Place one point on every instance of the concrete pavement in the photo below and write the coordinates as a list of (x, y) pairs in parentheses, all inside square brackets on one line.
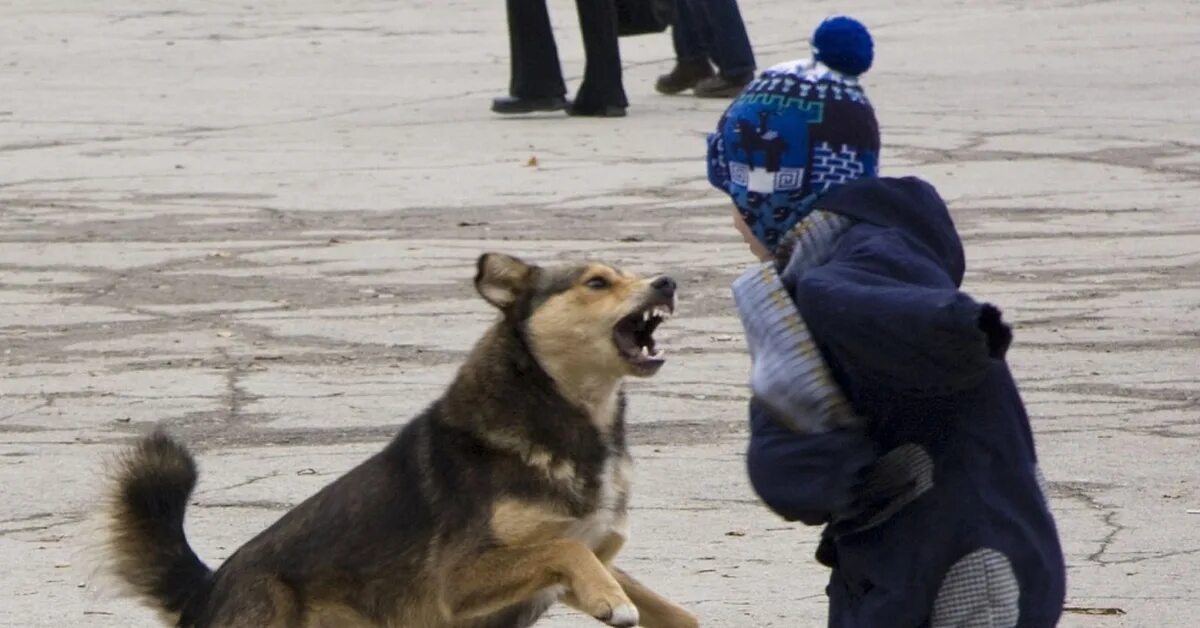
[(257, 224)]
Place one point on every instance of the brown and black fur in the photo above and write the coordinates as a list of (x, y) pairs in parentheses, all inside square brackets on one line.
[(505, 495)]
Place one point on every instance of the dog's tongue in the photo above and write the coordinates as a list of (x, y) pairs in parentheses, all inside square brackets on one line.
[(626, 340)]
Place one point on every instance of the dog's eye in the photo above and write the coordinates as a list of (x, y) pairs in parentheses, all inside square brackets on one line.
[(597, 283)]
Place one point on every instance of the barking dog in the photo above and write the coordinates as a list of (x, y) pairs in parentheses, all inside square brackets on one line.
[(505, 495)]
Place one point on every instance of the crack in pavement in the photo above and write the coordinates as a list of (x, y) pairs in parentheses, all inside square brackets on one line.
[(247, 482), (1081, 491), (65, 519), (250, 504), (48, 400)]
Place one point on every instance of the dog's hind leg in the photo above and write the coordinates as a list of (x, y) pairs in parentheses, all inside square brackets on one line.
[(259, 603), (484, 584), (335, 616)]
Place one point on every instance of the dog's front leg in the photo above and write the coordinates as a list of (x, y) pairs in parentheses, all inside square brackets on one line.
[(608, 548), (656, 611), (499, 578)]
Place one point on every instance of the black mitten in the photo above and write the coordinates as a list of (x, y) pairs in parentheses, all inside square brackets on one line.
[(999, 334), (827, 551)]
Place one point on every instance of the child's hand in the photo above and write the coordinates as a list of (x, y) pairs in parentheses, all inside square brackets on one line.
[(884, 487)]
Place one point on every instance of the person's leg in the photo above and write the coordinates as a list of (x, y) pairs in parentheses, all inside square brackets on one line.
[(536, 82), (687, 34), (601, 92), (729, 44), (730, 48), (691, 53)]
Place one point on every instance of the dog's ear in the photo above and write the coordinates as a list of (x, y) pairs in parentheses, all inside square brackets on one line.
[(502, 279)]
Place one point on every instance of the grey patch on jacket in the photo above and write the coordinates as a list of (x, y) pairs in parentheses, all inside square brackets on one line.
[(979, 591)]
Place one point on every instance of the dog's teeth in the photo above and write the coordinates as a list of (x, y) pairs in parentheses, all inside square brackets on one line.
[(646, 351), (645, 315)]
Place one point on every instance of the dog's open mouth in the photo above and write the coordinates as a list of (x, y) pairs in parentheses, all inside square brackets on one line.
[(634, 336)]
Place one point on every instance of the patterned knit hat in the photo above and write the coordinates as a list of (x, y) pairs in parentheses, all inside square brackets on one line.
[(796, 131)]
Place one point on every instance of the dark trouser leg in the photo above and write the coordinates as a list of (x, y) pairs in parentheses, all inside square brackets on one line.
[(691, 52), (729, 44), (687, 36), (535, 69), (602, 76)]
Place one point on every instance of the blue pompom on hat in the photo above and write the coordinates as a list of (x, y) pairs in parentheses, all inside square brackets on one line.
[(797, 130), (843, 44)]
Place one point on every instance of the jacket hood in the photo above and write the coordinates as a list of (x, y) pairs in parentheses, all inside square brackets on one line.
[(908, 204)]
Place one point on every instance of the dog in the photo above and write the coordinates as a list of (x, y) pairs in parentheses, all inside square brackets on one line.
[(505, 495)]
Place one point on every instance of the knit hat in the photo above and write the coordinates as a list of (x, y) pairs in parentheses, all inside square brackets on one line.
[(797, 130)]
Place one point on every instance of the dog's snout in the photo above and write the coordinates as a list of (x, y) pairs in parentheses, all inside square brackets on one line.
[(665, 286)]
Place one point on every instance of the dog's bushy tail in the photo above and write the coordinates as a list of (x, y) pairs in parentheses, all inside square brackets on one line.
[(148, 550)]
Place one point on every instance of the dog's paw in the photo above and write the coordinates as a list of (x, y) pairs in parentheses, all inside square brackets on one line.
[(624, 615)]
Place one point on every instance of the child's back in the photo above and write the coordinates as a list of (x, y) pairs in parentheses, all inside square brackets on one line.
[(959, 523)]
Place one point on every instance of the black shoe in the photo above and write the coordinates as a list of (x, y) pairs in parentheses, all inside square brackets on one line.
[(722, 87), (685, 75), (603, 111), (512, 104)]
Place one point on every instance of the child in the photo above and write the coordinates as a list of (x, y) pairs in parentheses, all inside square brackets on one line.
[(882, 406)]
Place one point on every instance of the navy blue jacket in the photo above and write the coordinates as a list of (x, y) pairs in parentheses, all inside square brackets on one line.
[(947, 467)]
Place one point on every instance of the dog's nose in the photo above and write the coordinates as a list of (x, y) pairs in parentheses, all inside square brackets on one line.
[(665, 286)]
